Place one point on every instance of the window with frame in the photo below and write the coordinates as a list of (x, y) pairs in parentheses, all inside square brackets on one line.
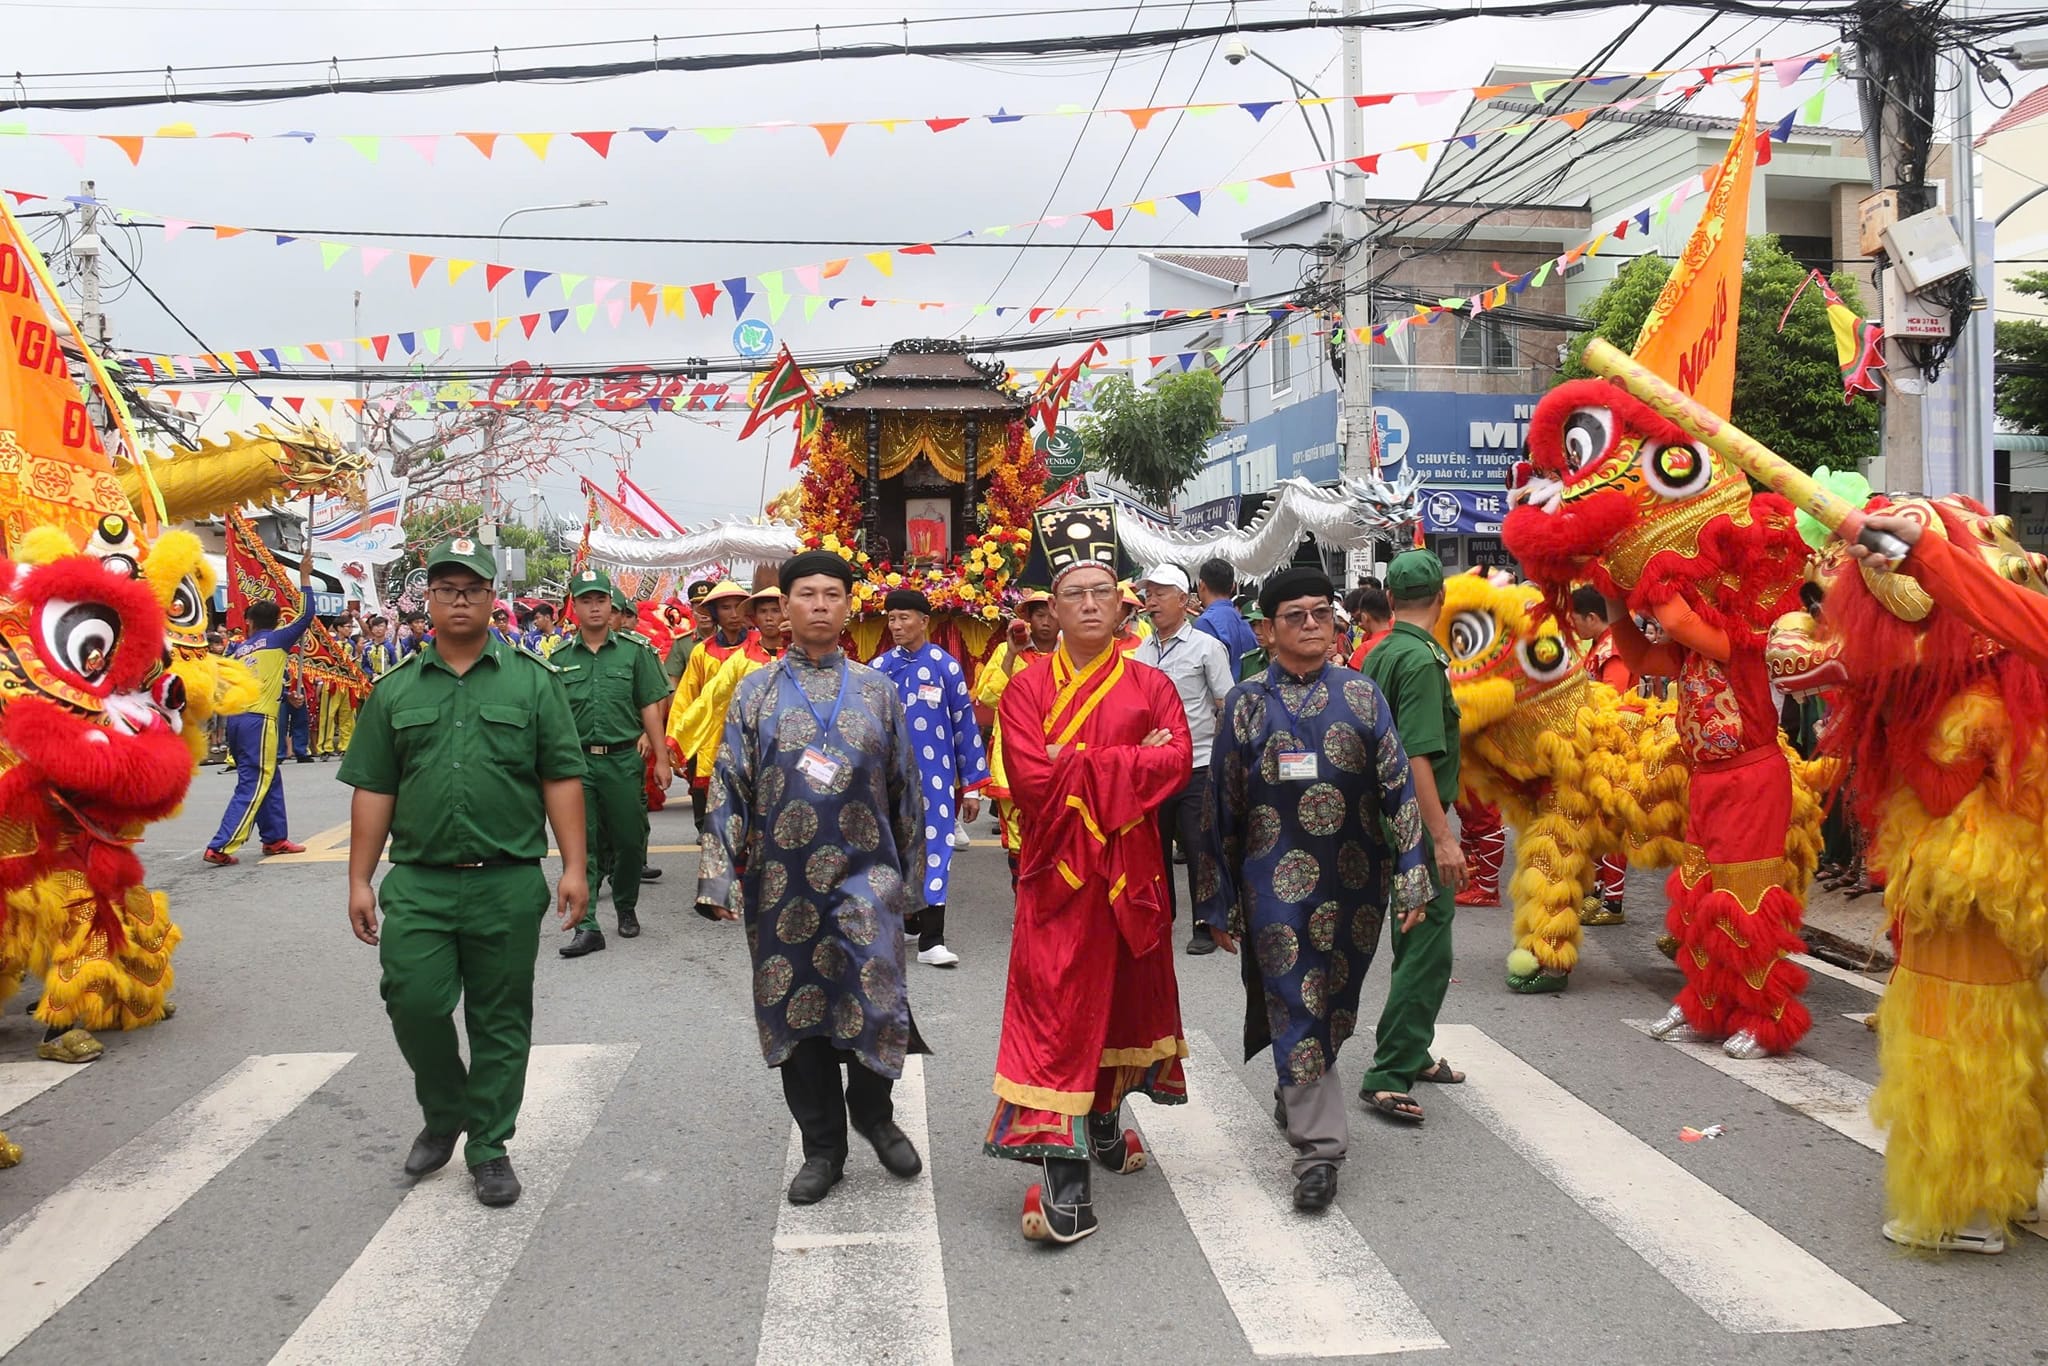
[(1485, 342), (1281, 362)]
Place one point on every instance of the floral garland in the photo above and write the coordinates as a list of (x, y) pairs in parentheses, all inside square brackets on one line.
[(975, 583)]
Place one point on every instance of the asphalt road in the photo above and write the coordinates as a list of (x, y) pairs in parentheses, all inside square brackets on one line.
[(181, 1203)]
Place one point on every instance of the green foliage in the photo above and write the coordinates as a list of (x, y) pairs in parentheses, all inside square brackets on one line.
[(1154, 438), (547, 560), (2022, 400), (1788, 385)]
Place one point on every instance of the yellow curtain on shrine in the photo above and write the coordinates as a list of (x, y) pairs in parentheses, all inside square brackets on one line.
[(941, 440)]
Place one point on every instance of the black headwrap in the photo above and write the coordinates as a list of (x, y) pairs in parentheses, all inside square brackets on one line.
[(907, 600), (1290, 584), (815, 562)]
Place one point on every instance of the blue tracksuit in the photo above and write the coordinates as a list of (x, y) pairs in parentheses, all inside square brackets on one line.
[(253, 739)]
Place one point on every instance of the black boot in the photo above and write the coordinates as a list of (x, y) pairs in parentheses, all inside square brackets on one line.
[(1118, 1149), (1061, 1210)]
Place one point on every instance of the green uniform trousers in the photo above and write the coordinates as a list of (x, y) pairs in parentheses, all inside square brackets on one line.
[(615, 827), (1422, 974), (472, 934)]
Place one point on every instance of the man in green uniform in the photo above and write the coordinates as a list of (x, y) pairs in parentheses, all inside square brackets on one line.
[(619, 699), (1412, 672), (626, 625), (457, 752), (678, 657)]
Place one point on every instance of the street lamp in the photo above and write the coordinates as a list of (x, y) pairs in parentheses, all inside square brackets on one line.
[(1236, 50), (490, 475)]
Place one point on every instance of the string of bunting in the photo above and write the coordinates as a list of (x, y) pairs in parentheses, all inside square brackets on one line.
[(776, 289), (600, 141), (714, 396)]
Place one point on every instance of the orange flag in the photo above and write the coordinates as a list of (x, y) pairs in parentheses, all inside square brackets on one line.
[(1689, 337), (53, 468)]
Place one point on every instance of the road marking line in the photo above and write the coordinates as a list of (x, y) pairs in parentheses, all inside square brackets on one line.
[(1299, 1286), (22, 1082), (1862, 1017), (861, 1273), (1821, 1093), (1840, 974), (422, 1285), (57, 1249), (1749, 1277)]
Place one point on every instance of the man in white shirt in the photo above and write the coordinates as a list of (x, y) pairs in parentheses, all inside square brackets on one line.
[(1199, 665)]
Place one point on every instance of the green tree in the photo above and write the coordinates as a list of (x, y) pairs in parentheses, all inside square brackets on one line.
[(1788, 385), (2022, 399), (1154, 438), (547, 556)]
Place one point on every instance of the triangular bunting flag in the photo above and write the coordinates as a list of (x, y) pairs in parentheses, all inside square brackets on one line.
[(598, 142), (736, 289), (494, 275), (416, 266), (537, 143), (483, 142), (831, 133)]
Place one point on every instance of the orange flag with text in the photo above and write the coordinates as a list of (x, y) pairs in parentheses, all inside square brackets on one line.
[(1689, 337)]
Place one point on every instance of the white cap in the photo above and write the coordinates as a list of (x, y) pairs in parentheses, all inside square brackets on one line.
[(1167, 576)]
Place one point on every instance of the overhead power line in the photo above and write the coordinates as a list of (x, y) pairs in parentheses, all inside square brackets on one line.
[(1103, 44)]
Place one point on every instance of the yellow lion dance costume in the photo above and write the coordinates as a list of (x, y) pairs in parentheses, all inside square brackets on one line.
[(1948, 737), (1578, 770)]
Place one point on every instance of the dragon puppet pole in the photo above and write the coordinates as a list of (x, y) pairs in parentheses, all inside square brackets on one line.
[(1742, 450)]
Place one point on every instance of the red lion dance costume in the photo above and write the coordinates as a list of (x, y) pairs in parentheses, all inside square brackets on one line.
[(1616, 495), (1948, 736)]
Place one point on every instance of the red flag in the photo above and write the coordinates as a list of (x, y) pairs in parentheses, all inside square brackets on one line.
[(781, 389), (1057, 382)]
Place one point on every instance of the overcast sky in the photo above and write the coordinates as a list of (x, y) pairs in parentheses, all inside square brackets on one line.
[(908, 186)]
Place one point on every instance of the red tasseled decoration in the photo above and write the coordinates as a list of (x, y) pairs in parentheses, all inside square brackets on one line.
[(1765, 560)]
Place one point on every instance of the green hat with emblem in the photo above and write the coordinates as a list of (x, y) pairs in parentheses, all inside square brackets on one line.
[(1414, 576), (620, 600), (590, 579), (467, 552)]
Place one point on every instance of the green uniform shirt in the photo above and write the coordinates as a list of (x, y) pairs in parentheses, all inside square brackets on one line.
[(678, 659), (1413, 673), (465, 756), (608, 686)]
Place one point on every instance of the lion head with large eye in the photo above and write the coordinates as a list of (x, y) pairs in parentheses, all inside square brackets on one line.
[(1506, 653), (89, 714)]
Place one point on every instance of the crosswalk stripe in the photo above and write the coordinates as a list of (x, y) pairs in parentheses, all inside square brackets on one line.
[(57, 1249), (1840, 974), (22, 1082), (860, 1273), (1299, 1286), (1819, 1092), (1738, 1269), (423, 1284)]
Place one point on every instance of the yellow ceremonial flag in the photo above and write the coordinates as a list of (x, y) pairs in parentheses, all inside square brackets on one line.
[(1689, 337)]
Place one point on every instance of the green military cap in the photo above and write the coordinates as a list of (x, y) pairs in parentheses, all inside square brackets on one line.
[(1252, 613), (590, 579), (1414, 575), (466, 552), (620, 600)]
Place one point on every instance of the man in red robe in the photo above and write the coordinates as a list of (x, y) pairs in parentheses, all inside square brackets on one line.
[(1093, 743)]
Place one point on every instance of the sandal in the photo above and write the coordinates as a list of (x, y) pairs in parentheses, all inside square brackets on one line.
[(1441, 1073), (1396, 1105)]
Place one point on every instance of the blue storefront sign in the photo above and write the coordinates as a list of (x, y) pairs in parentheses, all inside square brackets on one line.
[(1463, 512), (1459, 442)]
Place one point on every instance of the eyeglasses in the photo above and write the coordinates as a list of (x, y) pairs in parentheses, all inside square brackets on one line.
[(448, 594), (1106, 592), (1294, 621)]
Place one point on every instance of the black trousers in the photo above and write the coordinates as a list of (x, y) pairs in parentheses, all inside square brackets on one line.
[(1180, 817), (819, 1105), (931, 927)]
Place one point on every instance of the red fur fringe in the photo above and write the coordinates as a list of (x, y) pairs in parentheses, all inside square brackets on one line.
[(1765, 559)]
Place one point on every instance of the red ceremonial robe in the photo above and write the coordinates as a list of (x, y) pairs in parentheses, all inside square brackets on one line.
[(1093, 1011)]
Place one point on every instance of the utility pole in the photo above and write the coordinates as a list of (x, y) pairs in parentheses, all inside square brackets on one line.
[(92, 322), (1359, 425), (1889, 127)]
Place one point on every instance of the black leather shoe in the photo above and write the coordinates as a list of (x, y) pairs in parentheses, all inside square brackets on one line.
[(650, 874), (894, 1148), (1201, 941), (495, 1183), (430, 1152), (585, 941), (629, 925), (1315, 1188), (814, 1180)]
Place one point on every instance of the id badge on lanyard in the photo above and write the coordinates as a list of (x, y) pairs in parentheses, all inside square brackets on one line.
[(817, 766), (1294, 765)]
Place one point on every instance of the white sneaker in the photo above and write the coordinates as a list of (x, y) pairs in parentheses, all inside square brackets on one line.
[(1981, 1238), (939, 956), (960, 838)]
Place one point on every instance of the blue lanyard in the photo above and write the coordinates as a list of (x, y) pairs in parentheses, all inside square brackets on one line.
[(1273, 696), (828, 721)]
